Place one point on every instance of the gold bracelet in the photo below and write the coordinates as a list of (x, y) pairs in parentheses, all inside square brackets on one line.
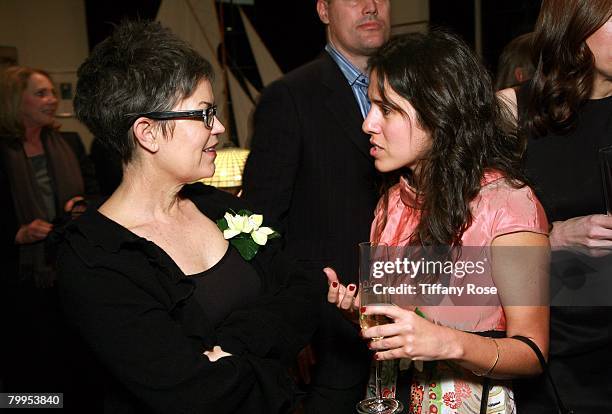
[(490, 371)]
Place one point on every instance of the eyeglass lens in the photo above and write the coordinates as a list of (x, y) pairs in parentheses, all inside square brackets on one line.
[(209, 116)]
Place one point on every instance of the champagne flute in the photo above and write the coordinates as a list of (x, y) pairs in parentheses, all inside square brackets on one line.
[(605, 164), (372, 257)]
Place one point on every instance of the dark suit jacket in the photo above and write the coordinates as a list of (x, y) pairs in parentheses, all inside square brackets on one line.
[(108, 166), (310, 172)]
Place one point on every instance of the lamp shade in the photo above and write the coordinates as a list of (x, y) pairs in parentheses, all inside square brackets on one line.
[(229, 166)]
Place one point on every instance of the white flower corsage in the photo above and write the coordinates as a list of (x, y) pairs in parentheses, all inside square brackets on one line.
[(245, 232)]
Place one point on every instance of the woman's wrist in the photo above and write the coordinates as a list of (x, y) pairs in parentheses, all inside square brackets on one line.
[(482, 360), (455, 350), (492, 367)]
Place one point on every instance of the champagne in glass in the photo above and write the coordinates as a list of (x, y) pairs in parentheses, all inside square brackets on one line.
[(371, 293), (369, 298), (369, 321)]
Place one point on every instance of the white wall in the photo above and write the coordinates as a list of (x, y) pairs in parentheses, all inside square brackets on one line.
[(409, 16), (50, 35)]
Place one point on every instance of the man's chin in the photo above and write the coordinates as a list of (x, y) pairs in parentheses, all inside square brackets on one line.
[(370, 50), (372, 44)]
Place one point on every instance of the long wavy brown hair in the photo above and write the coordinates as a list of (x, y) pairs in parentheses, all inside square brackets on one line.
[(453, 96), (564, 75)]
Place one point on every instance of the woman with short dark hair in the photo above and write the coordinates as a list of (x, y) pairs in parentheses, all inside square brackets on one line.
[(184, 317)]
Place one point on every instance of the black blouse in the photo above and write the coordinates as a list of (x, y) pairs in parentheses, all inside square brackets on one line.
[(227, 286), (136, 311), (564, 169), (564, 172)]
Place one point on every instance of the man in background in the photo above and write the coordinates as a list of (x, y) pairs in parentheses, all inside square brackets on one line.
[(310, 174)]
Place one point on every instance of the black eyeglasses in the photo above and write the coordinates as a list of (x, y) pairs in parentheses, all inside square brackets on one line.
[(206, 115)]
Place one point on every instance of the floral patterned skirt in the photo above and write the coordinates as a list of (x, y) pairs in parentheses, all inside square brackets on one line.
[(440, 387)]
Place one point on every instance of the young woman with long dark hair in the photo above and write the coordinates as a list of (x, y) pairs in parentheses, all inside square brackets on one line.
[(435, 118)]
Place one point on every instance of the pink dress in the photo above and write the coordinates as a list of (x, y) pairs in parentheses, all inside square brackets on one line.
[(498, 209)]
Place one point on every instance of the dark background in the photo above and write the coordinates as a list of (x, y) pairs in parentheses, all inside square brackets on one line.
[(294, 35), (292, 32)]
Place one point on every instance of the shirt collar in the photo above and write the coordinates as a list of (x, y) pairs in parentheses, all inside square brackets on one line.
[(351, 73), (411, 198), (408, 194), (114, 235)]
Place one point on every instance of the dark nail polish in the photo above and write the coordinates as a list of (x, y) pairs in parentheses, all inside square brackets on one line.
[(334, 284), (351, 287)]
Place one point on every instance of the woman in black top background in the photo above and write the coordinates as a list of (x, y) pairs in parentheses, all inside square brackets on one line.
[(565, 113), (179, 321)]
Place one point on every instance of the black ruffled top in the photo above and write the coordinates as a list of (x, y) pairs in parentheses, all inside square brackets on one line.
[(139, 315)]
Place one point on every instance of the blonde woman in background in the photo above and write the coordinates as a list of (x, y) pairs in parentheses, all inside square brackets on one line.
[(44, 173)]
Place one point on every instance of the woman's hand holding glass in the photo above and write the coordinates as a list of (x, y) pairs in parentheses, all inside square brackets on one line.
[(408, 336)]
